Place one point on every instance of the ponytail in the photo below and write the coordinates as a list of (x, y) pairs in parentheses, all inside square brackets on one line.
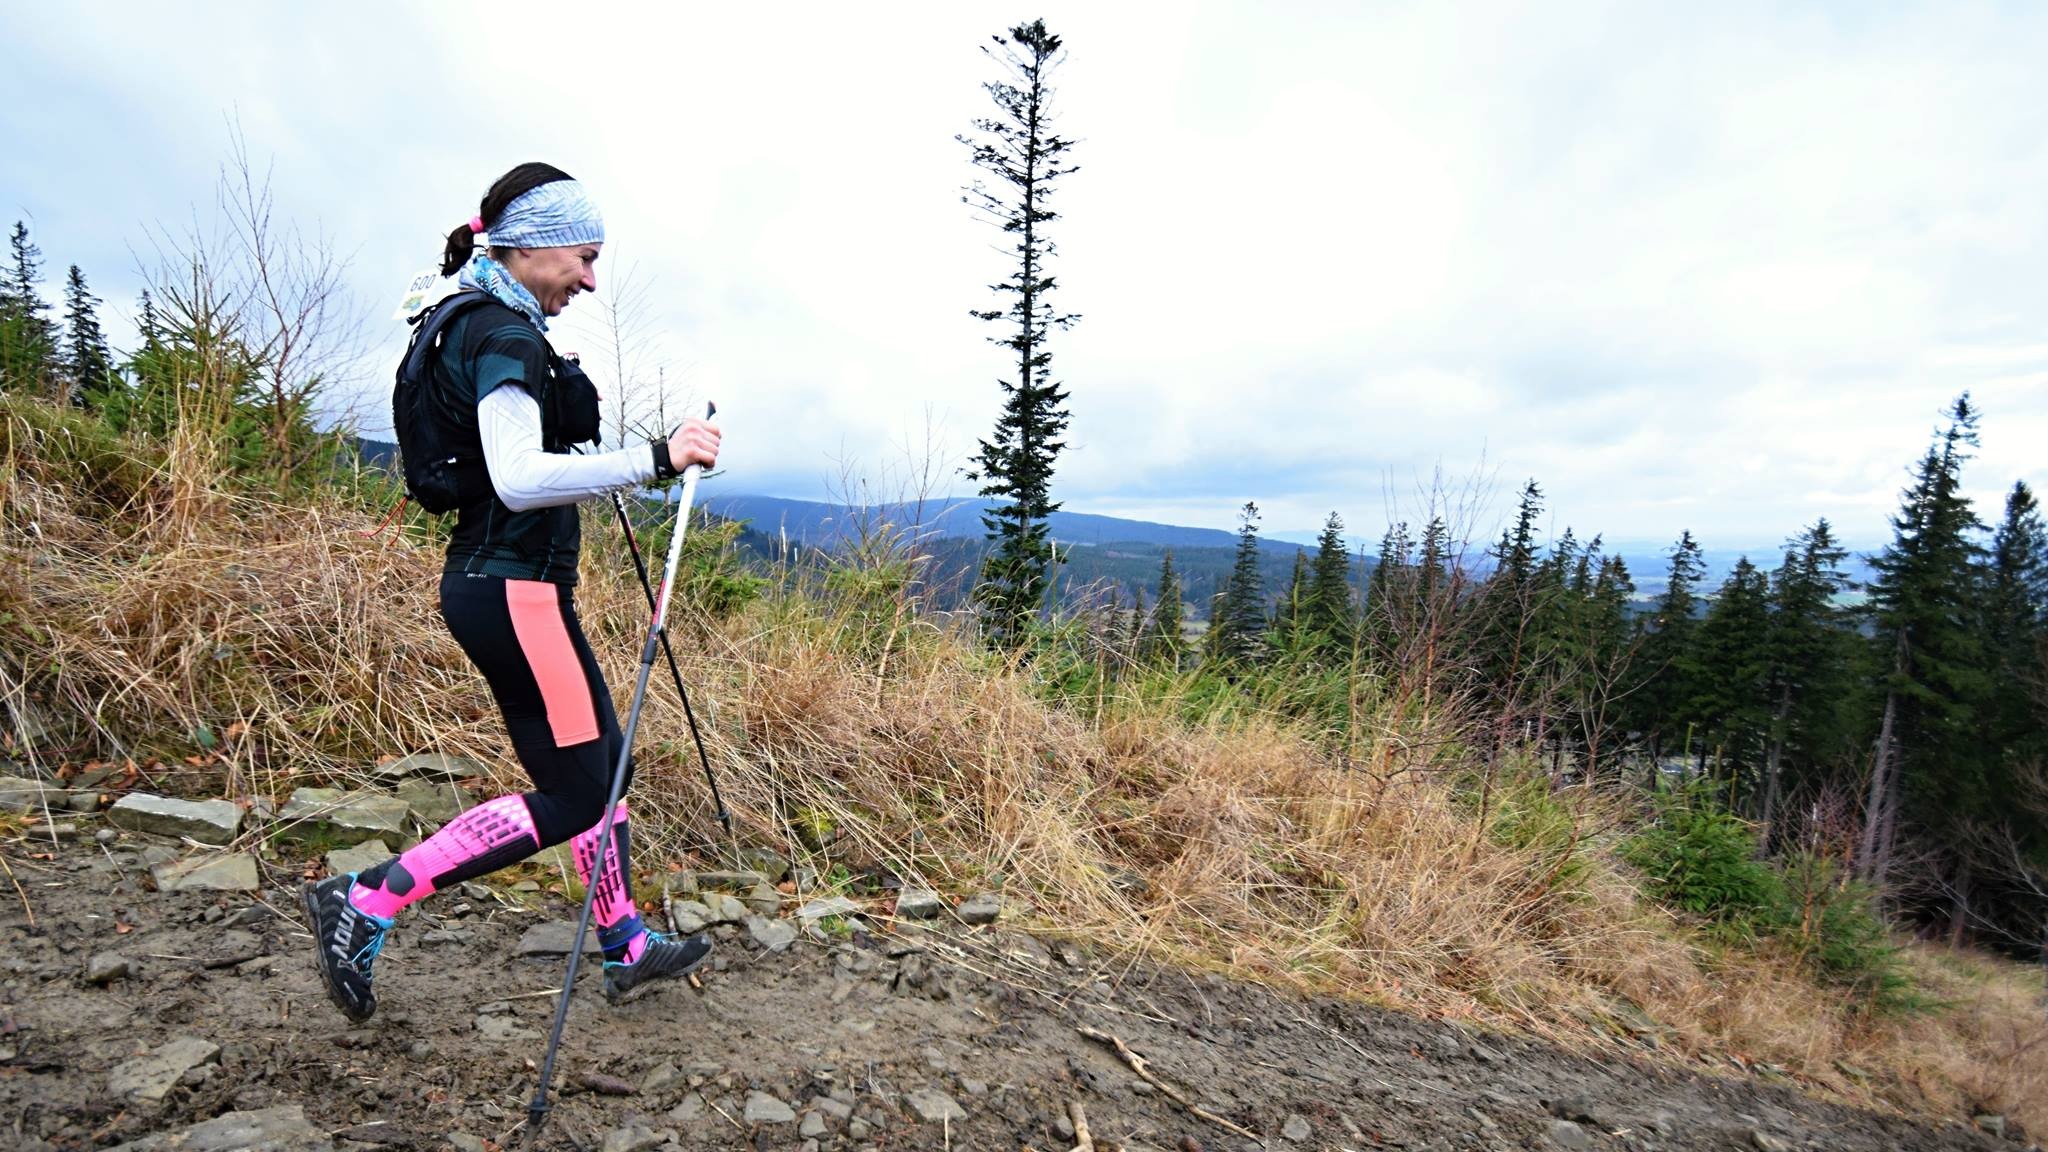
[(509, 187)]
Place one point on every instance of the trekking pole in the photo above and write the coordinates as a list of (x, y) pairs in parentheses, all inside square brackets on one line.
[(640, 566), (537, 1109)]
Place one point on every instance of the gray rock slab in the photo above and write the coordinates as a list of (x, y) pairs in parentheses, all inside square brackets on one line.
[(935, 1106), (107, 967), (435, 803), (282, 1129), (662, 1076), (231, 872), (918, 904), (771, 935), (768, 862), (764, 899), (830, 906), (688, 916), (1296, 1129), (207, 821), (326, 812), (553, 939), (149, 1077), (358, 858), (428, 766), (812, 1126), (725, 909), (762, 1108), (980, 908), (730, 881)]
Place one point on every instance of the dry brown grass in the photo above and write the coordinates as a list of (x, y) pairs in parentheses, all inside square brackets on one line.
[(146, 602)]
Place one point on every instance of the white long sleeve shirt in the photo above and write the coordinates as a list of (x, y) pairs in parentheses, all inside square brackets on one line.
[(527, 477)]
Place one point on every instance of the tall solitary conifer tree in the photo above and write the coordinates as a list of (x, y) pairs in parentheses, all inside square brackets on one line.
[(1015, 465)]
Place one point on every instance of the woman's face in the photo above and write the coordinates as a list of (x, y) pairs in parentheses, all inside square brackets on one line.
[(555, 275)]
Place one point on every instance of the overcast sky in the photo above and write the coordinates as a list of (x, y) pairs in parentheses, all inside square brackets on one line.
[(1716, 267)]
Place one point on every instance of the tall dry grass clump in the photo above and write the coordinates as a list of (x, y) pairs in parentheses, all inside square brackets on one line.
[(251, 641)]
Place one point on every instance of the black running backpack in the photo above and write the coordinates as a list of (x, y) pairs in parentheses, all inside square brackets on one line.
[(440, 452)]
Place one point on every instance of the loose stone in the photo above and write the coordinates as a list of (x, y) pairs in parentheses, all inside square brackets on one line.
[(935, 1106), (981, 908), (207, 821), (918, 904), (229, 873), (763, 1108), (106, 967)]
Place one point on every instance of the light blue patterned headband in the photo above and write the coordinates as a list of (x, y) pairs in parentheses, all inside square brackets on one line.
[(554, 215)]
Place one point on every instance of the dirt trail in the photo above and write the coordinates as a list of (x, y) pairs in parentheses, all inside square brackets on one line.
[(960, 1038)]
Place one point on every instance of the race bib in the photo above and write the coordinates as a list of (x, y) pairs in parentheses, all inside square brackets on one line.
[(424, 288)]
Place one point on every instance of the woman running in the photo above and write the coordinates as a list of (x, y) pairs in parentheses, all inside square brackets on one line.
[(508, 587)]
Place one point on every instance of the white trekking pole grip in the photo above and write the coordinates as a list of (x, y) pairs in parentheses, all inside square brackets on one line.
[(675, 542)]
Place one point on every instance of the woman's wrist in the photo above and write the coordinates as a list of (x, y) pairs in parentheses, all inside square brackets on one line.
[(664, 468)]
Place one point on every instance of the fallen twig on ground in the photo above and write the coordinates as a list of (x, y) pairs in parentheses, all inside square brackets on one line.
[(1138, 1065), (1083, 1142)]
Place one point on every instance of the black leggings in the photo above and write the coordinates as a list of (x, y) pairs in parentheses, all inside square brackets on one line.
[(524, 637)]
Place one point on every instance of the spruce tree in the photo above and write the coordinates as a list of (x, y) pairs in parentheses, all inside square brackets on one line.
[(2010, 848), (1508, 591), (88, 364), (1668, 667), (1161, 641), (1433, 565), (1291, 614), (1731, 696), (1330, 612), (28, 339), (1015, 465), (1928, 768), (2016, 617), (1389, 600), (1238, 624), (1812, 644)]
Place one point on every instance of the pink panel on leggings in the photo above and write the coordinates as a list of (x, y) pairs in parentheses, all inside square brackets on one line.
[(485, 828), (612, 898), (544, 638)]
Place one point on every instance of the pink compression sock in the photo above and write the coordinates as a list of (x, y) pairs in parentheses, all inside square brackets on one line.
[(480, 841), (619, 929)]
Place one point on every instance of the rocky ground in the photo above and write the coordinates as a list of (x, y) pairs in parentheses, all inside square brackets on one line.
[(146, 1010)]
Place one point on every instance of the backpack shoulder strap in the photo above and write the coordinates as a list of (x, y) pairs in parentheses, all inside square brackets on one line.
[(428, 326)]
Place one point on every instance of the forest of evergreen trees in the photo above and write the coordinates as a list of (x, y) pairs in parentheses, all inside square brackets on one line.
[(1899, 731)]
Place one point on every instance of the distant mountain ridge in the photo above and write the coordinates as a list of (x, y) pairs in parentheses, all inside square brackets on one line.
[(818, 524)]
